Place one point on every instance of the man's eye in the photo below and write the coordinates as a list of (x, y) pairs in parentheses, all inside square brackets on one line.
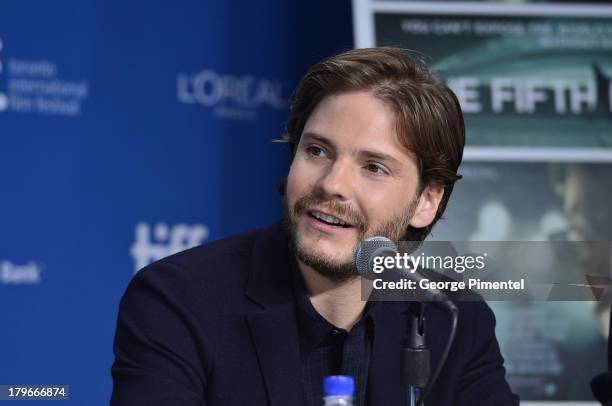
[(315, 151), (375, 169)]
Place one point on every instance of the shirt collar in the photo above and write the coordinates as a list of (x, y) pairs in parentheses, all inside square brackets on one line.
[(314, 328)]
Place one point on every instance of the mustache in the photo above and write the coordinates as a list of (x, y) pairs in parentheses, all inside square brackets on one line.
[(333, 207)]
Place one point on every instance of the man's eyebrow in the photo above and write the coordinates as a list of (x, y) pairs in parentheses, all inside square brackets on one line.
[(381, 156), (310, 136)]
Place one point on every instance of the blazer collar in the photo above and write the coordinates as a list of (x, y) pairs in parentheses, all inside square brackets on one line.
[(274, 328), (269, 281)]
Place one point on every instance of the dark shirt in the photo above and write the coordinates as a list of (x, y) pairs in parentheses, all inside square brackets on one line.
[(329, 350)]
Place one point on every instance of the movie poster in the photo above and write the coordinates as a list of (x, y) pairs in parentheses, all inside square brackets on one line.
[(538, 81), (534, 82), (552, 349)]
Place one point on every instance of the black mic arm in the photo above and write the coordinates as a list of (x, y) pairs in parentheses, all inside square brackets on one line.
[(416, 369)]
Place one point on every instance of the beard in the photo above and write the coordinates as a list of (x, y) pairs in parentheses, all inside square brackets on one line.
[(338, 268)]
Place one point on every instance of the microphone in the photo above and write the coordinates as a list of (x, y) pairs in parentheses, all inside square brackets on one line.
[(601, 386), (374, 247), (414, 348)]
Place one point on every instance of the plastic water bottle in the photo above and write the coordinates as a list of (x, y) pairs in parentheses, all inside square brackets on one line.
[(338, 390)]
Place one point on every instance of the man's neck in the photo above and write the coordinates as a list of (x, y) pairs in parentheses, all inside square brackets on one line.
[(338, 302)]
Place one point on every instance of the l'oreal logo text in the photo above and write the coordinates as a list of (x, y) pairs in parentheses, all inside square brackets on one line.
[(231, 96)]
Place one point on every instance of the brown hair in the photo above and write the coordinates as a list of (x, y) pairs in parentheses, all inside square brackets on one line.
[(429, 118)]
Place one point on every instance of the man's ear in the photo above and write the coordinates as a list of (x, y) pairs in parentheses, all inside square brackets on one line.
[(427, 206)]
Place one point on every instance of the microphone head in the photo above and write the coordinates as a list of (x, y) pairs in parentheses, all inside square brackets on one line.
[(370, 248)]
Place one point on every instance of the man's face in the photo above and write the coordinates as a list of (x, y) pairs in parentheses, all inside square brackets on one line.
[(351, 179), (587, 206)]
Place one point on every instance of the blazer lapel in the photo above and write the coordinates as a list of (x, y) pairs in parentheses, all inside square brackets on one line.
[(273, 325), (384, 384), (275, 335)]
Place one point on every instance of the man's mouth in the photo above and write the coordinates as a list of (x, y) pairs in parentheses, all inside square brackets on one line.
[(328, 219)]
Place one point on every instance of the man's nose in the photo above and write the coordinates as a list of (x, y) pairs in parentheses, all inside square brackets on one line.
[(337, 181)]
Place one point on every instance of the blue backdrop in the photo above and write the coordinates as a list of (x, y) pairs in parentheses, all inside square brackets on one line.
[(130, 130)]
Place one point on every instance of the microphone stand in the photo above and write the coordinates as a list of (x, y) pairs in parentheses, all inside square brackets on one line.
[(415, 357), (415, 368)]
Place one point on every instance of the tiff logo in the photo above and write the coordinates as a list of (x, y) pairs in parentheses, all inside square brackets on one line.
[(165, 240)]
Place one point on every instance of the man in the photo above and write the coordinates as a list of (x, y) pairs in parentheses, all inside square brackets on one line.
[(586, 202), (261, 318)]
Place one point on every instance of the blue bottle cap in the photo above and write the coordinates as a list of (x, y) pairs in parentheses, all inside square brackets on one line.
[(338, 385)]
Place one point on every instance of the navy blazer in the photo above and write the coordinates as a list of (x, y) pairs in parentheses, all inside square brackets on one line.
[(216, 325)]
